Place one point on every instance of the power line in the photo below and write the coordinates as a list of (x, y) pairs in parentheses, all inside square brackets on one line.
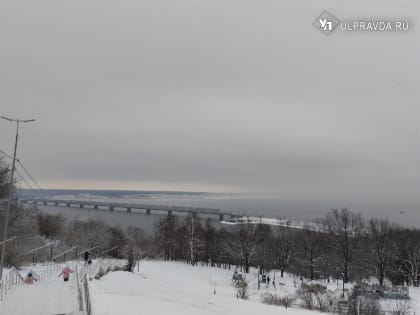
[(30, 176), (27, 184), (33, 191), (7, 155), (26, 171)]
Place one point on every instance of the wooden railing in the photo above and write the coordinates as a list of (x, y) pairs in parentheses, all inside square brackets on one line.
[(13, 278)]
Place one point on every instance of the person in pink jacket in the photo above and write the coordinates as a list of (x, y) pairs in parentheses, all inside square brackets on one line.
[(66, 273)]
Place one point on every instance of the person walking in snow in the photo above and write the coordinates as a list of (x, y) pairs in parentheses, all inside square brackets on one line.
[(30, 279), (66, 273), (86, 256)]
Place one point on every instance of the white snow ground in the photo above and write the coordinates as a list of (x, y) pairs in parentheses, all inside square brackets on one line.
[(176, 288), (52, 296), (161, 288)]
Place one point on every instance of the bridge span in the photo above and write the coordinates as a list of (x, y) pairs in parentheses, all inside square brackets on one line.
[(128, 207)]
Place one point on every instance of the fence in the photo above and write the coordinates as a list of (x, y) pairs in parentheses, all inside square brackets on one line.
[(83, 277), (87, 302), (13, 278), (35, 251), (63, 254)]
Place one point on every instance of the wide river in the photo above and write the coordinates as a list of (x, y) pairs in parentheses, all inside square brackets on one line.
[(257, 205)]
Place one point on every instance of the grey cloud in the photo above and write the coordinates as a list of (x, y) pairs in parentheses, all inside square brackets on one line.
[(239, 94)]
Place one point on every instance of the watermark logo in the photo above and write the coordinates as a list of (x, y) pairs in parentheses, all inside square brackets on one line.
[(326, 23)]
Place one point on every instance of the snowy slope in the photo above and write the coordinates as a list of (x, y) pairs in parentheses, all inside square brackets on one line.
[(175, 288), (53, 296)]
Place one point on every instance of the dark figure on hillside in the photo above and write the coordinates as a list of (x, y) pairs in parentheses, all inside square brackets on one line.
[(268, 280), (86, 256)]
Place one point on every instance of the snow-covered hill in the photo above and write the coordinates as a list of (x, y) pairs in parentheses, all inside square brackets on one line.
[(175, 288)]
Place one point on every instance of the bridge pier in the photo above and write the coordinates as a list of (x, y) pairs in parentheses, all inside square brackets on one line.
[(128, 208)]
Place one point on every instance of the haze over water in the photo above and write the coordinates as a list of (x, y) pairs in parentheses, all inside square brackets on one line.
[(257, 205)]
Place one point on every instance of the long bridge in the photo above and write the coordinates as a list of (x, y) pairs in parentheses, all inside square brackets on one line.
[(129, 207)]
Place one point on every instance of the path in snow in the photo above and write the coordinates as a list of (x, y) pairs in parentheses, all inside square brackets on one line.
[(50, 297)]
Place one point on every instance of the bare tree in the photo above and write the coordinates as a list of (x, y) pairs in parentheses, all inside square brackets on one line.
[(165, 236), (21, 219), (409, 254), (50, 225), (284, 242), (246, 238), (263, 250), (209, 238), (312, 252), (192, 229), (381, 247), (344, 228)]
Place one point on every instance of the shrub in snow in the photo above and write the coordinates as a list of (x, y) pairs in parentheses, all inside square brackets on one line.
[(285, 301), (50, 225), (398, 306), (100, 274), (315, 296), (118, 268), (362, 304)]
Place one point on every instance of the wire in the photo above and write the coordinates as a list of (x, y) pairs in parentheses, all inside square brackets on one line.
[(27, 184), (26, 171), (7, 155), (20, 175), (30, 176)]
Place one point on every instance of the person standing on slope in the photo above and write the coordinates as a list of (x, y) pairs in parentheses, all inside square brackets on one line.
[(66, 273), (86, 256)]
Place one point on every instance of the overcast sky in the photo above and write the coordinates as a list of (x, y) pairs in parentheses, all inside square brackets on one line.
[(212, 95)]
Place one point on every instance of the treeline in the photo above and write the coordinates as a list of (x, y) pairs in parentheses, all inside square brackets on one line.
[(345, 246)]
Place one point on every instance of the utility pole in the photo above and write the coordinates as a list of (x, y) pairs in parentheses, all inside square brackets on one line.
[(6, 219), (192, 240)]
